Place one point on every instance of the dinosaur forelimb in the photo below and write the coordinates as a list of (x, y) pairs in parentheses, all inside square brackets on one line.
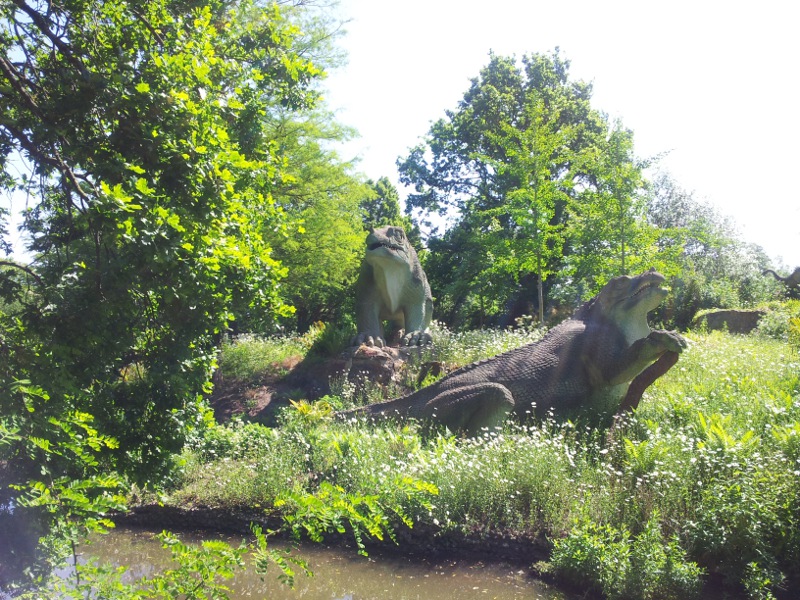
[(645, 379)]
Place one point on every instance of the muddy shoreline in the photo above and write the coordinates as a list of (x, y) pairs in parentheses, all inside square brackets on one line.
[(423, 540)]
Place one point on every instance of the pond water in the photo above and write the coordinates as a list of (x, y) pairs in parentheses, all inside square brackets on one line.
[(341, 574)]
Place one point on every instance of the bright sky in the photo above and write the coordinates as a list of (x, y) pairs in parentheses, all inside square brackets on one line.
[(714, 83)]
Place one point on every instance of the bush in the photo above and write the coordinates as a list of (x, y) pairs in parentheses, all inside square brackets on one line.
[(605, 559), (781, 321), (593, 557)]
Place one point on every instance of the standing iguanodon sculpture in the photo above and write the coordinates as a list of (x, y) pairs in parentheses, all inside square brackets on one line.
[(587, 361), (392, 286)]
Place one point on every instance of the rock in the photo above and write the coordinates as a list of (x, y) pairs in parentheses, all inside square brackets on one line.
[(735, 321), (359, 364), (379, 365), (362, 366)]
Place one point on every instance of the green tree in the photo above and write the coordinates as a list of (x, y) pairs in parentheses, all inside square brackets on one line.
[(150, 177), (382, 208), (686, 223), (521, 154), (710, 266), (607, 227), (468, 280), (151, 183), (321, 196), (530, 150)]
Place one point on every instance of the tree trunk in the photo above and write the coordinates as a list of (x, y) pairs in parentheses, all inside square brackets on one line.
[(540, 287)]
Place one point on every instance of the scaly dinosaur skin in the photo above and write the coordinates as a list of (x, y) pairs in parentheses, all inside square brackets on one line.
[(392, 287), (585, 362)]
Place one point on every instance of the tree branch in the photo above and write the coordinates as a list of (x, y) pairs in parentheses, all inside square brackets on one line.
[(44, 26), (8, 263), (56, 162), (16, 81), (149, 26)]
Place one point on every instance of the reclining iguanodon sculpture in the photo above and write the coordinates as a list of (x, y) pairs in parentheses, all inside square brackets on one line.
[(586, 362)]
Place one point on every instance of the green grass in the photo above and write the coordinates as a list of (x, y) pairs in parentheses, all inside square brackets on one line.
[(461, 348), (704, 479), (249, 358)]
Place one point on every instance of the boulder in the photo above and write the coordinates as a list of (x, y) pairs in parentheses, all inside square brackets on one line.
[(734, 321)]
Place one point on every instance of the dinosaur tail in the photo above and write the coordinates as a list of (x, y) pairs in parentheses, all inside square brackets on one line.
[(386, 409)]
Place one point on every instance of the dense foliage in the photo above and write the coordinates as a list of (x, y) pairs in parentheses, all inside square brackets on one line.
[(150, 178), (140, 134), (537, 180), (547, 200), (323, 198), (710, 266)]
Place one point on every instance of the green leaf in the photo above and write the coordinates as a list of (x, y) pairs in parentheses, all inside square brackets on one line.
[(143, 187)]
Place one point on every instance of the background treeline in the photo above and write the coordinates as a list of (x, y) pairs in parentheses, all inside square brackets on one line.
[(542, 190), (181, 179), (523, 183)]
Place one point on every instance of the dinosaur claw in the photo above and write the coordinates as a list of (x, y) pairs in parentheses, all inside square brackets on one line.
[(416, 338), (368, 340), (670, 340)]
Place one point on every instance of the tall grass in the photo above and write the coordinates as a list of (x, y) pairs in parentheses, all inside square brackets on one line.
[(249, 358), (704, 479), (458, 348)]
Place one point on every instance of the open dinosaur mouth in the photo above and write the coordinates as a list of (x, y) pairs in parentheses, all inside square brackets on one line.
[(377, 245), (649, 286), (644, 288)]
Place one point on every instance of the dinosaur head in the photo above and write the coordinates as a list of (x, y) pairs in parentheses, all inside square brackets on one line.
[(632, 295), (627, 300), (388, 244)]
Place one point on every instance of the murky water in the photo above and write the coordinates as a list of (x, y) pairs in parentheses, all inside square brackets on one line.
[(340, 574)]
